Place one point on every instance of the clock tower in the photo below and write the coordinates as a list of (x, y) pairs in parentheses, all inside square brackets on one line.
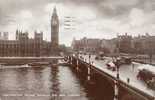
[(54, 30)]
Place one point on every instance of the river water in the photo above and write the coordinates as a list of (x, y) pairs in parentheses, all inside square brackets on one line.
[(44, 83)]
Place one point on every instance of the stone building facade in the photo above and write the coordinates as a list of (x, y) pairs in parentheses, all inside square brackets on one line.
[(142, 44), (24, 46), (86, 45)]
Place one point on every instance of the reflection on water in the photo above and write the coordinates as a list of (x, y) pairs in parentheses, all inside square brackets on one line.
[(55, 83), (48, 83), (42, 83)]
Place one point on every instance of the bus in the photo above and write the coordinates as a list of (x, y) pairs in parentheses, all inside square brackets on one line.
[(146, 73)]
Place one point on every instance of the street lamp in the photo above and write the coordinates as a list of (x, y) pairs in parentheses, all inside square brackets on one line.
[(117, 67), (89, 58), (116, 87), (117, 64)]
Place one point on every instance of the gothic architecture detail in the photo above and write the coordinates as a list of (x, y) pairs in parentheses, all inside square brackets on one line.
[(54, 30), (25, 46)]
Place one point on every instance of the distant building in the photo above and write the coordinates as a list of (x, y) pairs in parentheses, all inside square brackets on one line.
[(94, 45), (108, 46), (124, 43), (144, 44), (4, 36), (86, 45), (91, 45)]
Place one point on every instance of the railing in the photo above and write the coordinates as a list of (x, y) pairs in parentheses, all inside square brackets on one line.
[(132, 89)]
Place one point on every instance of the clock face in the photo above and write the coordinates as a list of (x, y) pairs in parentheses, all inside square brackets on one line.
[(54, 22)]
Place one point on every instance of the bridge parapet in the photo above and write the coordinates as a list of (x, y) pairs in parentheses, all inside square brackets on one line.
[(123, 86)]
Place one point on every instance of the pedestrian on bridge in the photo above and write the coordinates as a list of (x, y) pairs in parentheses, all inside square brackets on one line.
[(89, 57), (128, 80)]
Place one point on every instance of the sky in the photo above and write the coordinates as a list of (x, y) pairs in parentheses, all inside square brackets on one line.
[(89, 18)]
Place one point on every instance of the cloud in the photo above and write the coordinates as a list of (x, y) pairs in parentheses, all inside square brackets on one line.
[(93, 18)]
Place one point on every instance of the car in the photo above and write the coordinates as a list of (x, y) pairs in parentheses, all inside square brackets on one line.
[(126, 60), (111, 66)]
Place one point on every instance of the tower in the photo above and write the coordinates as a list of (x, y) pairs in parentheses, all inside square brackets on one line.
[(54, 30)]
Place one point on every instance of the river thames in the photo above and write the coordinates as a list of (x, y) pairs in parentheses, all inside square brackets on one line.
[(45, 83)]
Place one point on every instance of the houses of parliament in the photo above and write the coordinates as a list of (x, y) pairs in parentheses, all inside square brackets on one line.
[(28, 47)]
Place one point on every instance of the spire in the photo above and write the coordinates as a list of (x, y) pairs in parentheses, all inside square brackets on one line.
[(54, 18), (54, 11)]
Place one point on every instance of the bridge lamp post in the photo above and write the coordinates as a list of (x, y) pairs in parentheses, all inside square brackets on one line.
[(116, 88), (77, 65), (89, 59), (77, 62), (88, 77), (117, 63), (117, 68), (71, 60)]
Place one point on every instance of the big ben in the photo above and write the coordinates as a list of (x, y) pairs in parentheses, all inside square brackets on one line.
[(54, 30)]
